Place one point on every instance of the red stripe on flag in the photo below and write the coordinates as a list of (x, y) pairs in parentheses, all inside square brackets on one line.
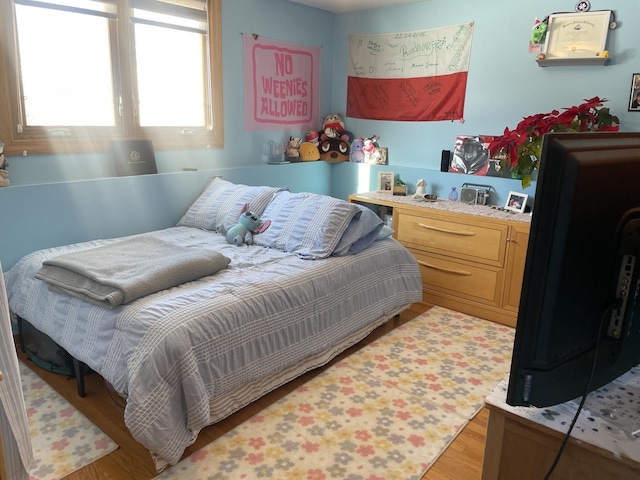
[(407, 99)]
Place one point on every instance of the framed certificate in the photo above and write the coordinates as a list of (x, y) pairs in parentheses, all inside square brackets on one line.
[(577, 35)]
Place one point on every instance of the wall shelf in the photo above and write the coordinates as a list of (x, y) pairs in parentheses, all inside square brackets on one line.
[(572, 62)]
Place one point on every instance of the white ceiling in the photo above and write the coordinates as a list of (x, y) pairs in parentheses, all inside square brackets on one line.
[(342, 6)]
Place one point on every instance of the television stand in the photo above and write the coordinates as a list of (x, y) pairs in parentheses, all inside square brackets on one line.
[(522, 442)]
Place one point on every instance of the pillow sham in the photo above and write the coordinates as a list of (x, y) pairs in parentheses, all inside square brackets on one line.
[(221, 202), (307, 224), (363, 230), (385, 232)]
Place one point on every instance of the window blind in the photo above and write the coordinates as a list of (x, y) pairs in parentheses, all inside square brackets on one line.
[(101, 8), (190, 15)]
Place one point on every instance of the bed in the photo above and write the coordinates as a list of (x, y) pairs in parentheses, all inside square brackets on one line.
[(319, 279)]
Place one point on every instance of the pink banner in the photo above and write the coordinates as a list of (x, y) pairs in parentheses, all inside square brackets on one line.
[(281, 85)]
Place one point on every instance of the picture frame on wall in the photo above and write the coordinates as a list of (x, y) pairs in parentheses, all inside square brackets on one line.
[(634, 95), (385, 182), (377, 157), (516, 202), (577, 35)]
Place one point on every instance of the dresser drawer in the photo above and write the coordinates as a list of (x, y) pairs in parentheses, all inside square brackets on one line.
[(475, 241), (474, 282)]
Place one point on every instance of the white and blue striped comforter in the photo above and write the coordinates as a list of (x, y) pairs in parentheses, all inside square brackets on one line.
[(175, 355)]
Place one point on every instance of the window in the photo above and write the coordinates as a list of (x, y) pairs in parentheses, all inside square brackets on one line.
[(80, 73)]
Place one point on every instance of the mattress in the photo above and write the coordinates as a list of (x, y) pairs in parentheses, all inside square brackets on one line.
[(178, 355)]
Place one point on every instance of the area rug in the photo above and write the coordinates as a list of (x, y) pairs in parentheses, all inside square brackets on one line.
[(386, 412), (62, 438)]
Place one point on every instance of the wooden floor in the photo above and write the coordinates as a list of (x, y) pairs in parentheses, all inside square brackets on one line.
[(461, 461)]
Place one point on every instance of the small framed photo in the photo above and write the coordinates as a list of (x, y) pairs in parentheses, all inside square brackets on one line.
[(516, 202), (634, 96), (385, 182)]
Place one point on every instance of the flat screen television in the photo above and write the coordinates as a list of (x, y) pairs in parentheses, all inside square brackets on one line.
[(579, 313)]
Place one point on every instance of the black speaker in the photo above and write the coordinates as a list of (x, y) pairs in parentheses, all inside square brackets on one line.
[(445, 160)]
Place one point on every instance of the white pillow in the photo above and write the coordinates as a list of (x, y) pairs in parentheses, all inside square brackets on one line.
[(307, 224), (221, 202)]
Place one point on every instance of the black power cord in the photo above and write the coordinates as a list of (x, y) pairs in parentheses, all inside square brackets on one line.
[(584, 397)]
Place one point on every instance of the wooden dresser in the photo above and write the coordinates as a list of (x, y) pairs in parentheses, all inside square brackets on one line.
[(471, 256), (522, 442)]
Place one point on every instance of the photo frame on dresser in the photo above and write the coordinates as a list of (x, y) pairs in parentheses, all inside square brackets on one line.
[(516, 202), (385, 182)]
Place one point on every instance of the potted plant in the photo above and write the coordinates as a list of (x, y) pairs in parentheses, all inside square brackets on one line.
[(520, 148)]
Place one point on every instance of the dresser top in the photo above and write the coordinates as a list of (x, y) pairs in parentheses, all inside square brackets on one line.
[(441, 204), (608, 420)]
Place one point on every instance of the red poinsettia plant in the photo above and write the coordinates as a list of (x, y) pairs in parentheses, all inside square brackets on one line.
[(519, 149)]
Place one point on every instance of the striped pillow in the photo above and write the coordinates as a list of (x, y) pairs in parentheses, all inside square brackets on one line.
[(307, 224), (221, 202)]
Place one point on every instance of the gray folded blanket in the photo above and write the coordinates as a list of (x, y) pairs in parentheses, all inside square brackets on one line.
[(123, 271)]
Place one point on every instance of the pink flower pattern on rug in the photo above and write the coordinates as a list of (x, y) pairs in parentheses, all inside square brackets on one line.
[(62, 438), (386, 412)]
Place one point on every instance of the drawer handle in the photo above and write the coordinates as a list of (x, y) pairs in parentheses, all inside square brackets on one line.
[(444, 230), (448, 270)]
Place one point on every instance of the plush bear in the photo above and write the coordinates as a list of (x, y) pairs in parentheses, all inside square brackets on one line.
[(4, 175), (357, 153), (332, 126), (248, 224)]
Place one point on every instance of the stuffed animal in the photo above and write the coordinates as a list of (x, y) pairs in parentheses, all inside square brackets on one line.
[(293, 148), (334, 150), (313, 137), (333, 125), (357, 153), (309, 152), (539, 31), (4, 175), (369, 144), (248, 224)]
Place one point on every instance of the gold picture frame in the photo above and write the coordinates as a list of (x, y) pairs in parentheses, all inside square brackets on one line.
[(577, 35)]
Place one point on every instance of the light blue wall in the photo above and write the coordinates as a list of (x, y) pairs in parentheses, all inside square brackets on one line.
[(58, 199), (51, 214), (505, 84), (273, 19)]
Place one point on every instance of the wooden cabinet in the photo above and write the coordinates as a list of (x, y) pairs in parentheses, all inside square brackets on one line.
[(516, 257), (471, 257), (518, 448)]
